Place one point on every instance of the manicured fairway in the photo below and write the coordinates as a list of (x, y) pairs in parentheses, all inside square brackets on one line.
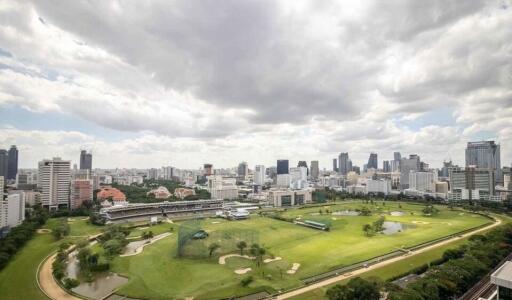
[(158, 274), (18, 279)]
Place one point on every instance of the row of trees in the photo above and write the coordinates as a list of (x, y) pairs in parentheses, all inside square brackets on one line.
[(19, 235), (137, 193), (457, 271)]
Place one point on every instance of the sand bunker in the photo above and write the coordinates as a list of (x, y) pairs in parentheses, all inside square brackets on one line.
[(169, 221), (294, 268), (84, 219), (222, 259), (216, 222), (44, 230), (420, 222), (142, 228), (396, 213), (269, 260), (334, 219), (243, 271)]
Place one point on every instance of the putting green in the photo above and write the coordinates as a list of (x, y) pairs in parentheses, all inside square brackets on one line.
[(158, 274)]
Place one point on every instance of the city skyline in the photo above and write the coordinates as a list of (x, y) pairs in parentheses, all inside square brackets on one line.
[(276, 80)]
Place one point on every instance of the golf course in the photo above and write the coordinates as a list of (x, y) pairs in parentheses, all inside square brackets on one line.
[(293, 252)]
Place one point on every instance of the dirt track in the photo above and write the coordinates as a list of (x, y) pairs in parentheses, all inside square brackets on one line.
[(47, 283), (377, 265)]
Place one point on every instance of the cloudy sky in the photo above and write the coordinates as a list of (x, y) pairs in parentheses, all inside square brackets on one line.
[(181, 83)]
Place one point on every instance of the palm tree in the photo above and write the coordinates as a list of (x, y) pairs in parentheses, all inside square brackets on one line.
[(367, 228), (241, 245), (212, 247), (258, 252)]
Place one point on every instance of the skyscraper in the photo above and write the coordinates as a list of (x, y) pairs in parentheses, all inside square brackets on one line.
[(54, 182), (335, 165), (85, 160), (12, 165), (406, 166), (397, 156), (345, 165), (243, 170), (282, 166), (4, 162), (372, 161), (259, 175), (315, 171), (485, 154), (386, 166), (208, 169)]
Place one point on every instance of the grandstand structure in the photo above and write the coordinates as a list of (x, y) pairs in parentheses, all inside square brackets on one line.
[(144, 211)]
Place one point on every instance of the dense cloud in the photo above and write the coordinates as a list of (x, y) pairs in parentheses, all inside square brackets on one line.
[(302, 79)]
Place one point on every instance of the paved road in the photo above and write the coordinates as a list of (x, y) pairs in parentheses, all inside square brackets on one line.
[(358, 272)]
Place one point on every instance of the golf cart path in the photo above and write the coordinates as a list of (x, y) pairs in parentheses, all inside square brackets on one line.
[(383, 263)]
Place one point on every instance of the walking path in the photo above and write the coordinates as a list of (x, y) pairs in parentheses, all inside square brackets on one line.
[(383, 263)]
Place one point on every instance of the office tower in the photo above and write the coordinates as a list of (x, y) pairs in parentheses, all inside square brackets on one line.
[(283, 180), (406, 166), (485, 154), (81, 190), (335, 165), (282, 166), (423, 181), (85, 160), (357, 170), (243, 170), (397, 156), (54, 182), (345, 165), (4, 162), (272, 172), (12, 164), (315, 171), (208, 169), (444, 172), (153, 173), (222, 188), (167, 172), (259, 175), (471, 183), (372, 162), (303, 163), (386, 166)]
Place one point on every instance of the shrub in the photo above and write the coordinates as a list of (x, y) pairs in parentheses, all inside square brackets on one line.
[(246, 281)]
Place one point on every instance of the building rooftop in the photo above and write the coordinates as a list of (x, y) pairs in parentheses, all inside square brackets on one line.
[(503, 276)]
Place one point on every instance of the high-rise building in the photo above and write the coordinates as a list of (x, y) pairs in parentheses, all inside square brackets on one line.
[(397, 156), (303, 163), (243, 170), (208, 169), (407, 165), (4, 162), (386, 166), (12, 165), (12, 210), (153, 173), (471, 183), (345, 164), (444, 172), (423, 181), (315, 170), (259, 175), (373, 162), (81, 190), (357, 170), (335, 165), (85, 160), (222, 188), (282, 166), (54, 182), (485, 154)]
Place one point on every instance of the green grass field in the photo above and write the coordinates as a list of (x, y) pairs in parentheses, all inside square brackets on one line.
[(158, 274), (18, 279)]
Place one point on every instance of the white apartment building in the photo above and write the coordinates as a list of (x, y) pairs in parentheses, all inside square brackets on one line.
[(378, 186), (54, 182), (12, 210), (423, 181), (222, 188), (259, 175), (284, 180)]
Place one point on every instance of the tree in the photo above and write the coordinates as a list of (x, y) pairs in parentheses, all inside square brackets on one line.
[(61, 230), (212, 248), (378, 225), (356, 289), (112, 247), (258, 252), (365, 211), (367, 228), (241, 245)]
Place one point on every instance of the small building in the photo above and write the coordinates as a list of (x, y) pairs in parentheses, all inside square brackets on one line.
[(502, 278), (182, 193), (286, 197), (160, 193), (110, 193)]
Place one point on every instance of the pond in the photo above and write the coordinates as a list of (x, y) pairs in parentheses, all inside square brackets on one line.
[(392, 227), (103, 285), (346, 213)]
